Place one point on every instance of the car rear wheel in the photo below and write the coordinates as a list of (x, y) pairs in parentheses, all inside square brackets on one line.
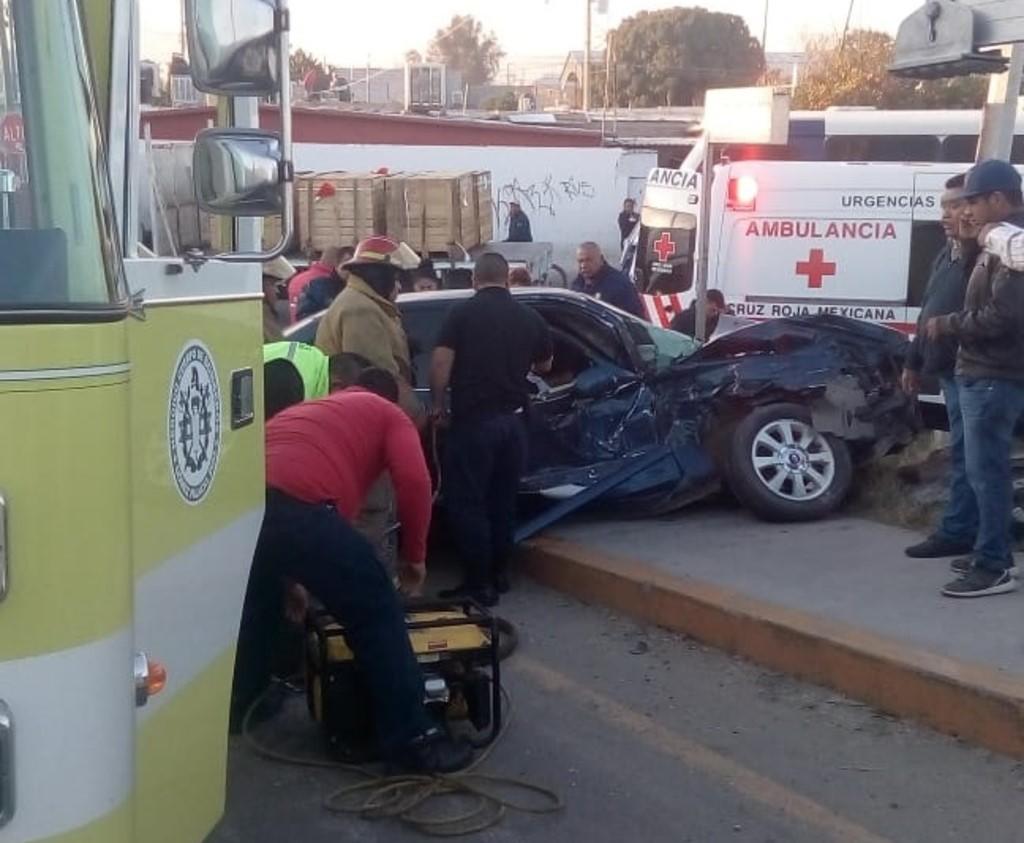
[(783, 469)]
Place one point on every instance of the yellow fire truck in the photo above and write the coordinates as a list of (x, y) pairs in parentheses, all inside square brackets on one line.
[(131, 467)]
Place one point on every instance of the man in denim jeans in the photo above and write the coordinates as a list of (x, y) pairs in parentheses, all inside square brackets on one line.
[(990, 381), (947, 286)]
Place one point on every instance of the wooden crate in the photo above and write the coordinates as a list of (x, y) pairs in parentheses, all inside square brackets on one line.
[(431, 211), (352, 208), (484, 204), (212, 239)]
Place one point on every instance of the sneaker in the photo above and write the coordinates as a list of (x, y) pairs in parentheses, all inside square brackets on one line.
[(435, 752), (979, 582), (937, 547), (962, 565)]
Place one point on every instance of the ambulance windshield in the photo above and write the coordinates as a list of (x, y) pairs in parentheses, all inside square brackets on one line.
[(56, 238), (665, 218)]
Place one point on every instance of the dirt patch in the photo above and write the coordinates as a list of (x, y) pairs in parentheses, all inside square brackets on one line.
[(908, 489)]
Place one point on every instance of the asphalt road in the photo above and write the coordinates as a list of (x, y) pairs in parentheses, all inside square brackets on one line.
[(653, 738)]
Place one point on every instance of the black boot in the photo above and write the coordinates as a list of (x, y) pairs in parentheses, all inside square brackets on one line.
[(485, 595), (434, 752), (501, 582)]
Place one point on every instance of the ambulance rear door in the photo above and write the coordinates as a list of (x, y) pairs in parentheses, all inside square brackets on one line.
[(800, 239), (667, 239)]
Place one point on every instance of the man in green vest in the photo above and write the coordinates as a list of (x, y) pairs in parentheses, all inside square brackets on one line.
[(318, 371)]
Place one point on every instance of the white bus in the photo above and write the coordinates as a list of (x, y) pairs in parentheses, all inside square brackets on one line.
[(867, 134)]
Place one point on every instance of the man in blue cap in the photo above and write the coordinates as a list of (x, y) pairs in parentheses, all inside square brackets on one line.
[(990, 380)]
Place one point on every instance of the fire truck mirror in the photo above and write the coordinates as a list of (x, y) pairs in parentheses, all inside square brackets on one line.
[(234, 46), (239, 172)]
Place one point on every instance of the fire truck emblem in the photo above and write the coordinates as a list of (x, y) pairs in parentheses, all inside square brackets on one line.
[(193, 422)]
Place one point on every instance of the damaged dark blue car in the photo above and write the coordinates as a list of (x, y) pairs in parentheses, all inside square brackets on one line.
[(779, 412)]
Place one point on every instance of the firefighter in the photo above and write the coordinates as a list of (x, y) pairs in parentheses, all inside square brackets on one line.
[(364, 320)]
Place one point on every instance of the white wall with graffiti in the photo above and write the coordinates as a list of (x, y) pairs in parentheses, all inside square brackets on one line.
[(570, 194)]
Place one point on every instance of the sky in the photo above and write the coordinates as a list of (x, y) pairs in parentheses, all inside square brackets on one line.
[(535, 34)]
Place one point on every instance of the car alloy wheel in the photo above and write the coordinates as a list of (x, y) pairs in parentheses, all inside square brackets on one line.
[(793, 460)]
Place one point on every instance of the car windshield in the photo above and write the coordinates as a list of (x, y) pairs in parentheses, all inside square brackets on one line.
[(669, 346)]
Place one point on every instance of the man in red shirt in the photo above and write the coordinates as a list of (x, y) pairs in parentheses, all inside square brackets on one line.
[(327, 268), (322, 458)]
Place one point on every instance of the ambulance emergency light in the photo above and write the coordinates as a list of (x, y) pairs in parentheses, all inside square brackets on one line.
[(742, 194)]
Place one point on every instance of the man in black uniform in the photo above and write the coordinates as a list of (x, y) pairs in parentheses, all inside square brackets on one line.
[(485, 350)]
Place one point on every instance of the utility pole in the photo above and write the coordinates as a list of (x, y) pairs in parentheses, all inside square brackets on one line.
[(184, 31), (999, 116), (764, 28), (764, 40), (846, 27), (586, 63)]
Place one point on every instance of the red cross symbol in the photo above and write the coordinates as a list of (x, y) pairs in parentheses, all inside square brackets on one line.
[(665, 246), (816, 268)]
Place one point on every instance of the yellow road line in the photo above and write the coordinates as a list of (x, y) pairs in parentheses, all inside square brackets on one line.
[(743, 780)]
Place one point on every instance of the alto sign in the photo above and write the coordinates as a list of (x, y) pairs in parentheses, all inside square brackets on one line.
[(12, 133)]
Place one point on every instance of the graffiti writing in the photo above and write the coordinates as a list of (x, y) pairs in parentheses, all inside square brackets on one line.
[(541, 197), (576, 189)]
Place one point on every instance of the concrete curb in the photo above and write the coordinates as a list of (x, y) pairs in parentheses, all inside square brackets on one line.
[(973, 702)]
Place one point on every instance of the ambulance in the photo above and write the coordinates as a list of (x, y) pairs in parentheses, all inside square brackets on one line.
[(794, 238), (131, 463)]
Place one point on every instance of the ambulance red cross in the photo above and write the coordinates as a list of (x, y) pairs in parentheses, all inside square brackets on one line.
[(795, 238)]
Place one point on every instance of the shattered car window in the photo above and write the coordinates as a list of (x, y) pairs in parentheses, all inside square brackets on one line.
[(668, 346)]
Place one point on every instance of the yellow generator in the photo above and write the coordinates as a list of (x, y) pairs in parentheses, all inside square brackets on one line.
[(456, 644)]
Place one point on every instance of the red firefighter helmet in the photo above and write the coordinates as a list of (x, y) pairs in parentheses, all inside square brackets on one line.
[(379, 250)]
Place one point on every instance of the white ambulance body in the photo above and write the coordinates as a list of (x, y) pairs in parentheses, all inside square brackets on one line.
[(797, 238)]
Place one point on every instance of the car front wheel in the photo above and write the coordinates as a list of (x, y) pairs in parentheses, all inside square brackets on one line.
[(783, 469)]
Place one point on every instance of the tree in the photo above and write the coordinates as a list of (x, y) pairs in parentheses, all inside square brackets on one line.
[(302, 62), (856, 75), (413, 57), (671, 57), (463, 46)]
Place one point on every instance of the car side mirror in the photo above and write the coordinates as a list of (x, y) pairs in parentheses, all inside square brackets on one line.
[(238, 172), (234, 46)]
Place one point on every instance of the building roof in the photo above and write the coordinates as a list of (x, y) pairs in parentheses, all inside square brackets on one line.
[(336, 124)]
